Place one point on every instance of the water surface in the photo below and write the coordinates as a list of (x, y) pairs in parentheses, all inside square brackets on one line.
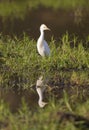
[(60, 21), (75, 83)]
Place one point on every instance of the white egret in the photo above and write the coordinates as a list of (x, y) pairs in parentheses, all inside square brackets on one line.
[(40, 89), (42, 46)]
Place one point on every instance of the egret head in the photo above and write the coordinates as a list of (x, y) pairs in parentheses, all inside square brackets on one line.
[(42, 104), (43, 27)]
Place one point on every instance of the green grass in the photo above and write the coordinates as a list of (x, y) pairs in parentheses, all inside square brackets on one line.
[(67, 67), (20, 61), (44, 119)]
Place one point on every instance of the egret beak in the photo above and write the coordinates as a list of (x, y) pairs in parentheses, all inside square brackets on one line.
[(48, 29)]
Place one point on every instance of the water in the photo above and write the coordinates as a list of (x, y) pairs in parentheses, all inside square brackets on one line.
[(59, 21), (14, 98), (75, 83)]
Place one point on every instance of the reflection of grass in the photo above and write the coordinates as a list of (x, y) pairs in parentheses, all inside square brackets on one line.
[(20, 66), (18, 8)]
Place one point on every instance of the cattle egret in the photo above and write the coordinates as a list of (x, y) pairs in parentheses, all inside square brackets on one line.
[(42, 46), (40, 89)]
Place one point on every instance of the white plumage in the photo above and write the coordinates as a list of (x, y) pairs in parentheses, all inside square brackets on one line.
[(42, 46)]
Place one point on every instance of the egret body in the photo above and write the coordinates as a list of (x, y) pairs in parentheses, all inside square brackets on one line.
[(42, 46)]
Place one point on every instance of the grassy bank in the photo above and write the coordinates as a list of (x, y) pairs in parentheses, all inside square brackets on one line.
[(18, 8)]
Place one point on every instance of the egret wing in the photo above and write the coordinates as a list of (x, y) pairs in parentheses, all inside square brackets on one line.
[(46, 48)]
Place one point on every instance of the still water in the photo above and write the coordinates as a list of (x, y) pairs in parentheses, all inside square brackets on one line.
[(77, 87), (59, 21)]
